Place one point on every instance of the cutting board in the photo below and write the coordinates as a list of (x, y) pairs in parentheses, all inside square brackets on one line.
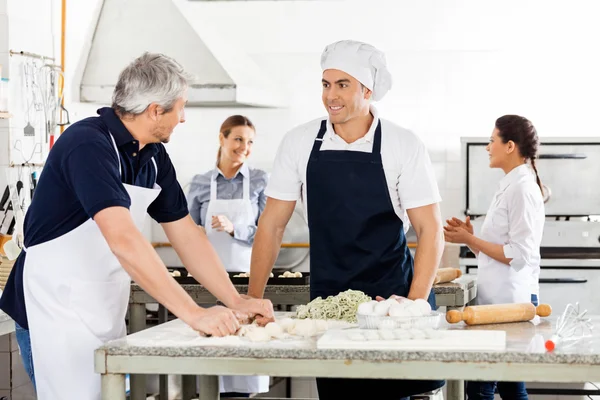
[(448, 340)]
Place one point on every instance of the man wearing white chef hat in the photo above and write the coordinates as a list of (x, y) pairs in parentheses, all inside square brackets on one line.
[(362, 180)]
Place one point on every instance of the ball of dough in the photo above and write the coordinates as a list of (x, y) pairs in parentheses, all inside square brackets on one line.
[(287, 324), (298, 274), (423, 305), (305, 328), (176, 274), (274, 329), (259, 334), (404, 301), (414, 310), (366, 308), (398, 310), (381, 308)]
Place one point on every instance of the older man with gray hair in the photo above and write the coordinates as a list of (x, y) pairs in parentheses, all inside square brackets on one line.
[(69, 289)]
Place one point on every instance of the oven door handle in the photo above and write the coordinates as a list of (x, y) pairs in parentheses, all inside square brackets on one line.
[(562, 156), (563, 280)]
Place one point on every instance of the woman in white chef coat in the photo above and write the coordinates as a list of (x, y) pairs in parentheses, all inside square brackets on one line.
[(508, 246), (227, 202)]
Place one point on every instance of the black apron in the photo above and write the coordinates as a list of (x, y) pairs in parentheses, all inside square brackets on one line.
[(357, 242)]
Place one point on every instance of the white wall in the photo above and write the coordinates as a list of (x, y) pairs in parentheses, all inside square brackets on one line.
[(457, 65)]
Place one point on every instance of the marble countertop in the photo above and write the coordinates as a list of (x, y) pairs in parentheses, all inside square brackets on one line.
[(524, 344), (463, 283)]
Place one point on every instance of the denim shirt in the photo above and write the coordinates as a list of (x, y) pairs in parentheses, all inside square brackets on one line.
[(198, 196)]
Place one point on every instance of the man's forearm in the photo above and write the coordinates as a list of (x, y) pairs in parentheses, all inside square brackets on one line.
[(200, 258), (145, 267), (427, 258), (265, 250)]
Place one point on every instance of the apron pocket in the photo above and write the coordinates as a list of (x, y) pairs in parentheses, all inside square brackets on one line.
[(101, 306)]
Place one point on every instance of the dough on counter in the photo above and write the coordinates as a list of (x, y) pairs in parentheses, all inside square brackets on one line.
[(271, 275), (366, 308), (381, 308), (398, 310), (175, 274), (258, 334), (305, 328), (287, 324), (297, 274), (321, 325), (274, 330)]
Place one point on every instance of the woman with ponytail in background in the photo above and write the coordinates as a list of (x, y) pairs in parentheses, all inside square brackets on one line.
[(227, 201), (508, 246)]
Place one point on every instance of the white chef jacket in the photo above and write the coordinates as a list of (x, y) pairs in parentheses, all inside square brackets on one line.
[(515, 220), (408, 171)]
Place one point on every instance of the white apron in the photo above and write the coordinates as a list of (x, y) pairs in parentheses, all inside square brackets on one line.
[(76, 296), (235, 256), (498, 283)]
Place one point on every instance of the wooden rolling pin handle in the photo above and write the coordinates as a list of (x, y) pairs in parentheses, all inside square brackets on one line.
[(454, 316), (543, 310), (447, 275)]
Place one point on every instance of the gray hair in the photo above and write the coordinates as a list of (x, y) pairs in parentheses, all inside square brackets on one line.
[(150, 78)]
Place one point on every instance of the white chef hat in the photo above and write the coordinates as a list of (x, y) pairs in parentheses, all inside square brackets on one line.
[(362, 61)]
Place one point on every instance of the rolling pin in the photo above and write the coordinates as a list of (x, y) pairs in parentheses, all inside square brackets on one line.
[(446, 275), (498, 313)]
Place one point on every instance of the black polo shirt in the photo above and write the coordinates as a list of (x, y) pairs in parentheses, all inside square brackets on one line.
[(80, 178)]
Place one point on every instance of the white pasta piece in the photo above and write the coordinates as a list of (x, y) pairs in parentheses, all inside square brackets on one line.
[(402, 334), (305, 328), (371, 335), (356, 336), (259, 334), (387, 335), (417, 334), (287, 324), (381, 308)]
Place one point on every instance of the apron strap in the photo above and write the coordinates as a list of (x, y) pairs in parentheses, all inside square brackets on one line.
[(155, 170), (117, 151), (319, 140), (246, 185), (213, 185)]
